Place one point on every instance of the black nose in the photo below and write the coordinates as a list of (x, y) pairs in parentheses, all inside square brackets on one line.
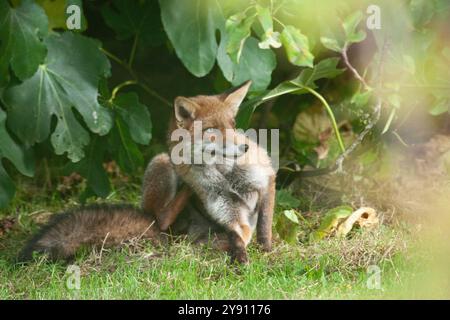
[(244, 147)]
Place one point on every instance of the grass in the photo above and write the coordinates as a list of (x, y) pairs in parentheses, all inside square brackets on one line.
[(183, 273), (332, 268)]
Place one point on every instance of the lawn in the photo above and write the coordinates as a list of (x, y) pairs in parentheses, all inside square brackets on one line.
[(368, 264)]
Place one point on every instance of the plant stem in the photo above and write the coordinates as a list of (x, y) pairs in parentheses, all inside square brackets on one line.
[(278, 20), (119, 87), (330, 114), (113, 57), (353, 70), (144, 86), (133, 51)]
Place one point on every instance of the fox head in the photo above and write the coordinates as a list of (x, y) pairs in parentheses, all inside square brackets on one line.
[(214, 116), (215, 111)]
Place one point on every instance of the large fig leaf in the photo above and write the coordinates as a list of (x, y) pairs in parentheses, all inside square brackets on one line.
[(255, 64), (21, 47), (191, 27), (68, 79), (135, 18), (23, 160)]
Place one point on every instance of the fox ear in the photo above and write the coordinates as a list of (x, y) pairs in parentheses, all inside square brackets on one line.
[(235, 96), (184, 109)]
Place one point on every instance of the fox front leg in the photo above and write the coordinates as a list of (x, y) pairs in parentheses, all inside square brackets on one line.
[(265, 216), (159, 191), (237, 247), (170, 212), (239, 236)]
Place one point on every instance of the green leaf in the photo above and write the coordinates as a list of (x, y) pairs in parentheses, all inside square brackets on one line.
[(331, 44), (331, 221), (360, 99), (350, 24), (313, 138), (395, 102), (441, 107), (256, 64), (270, 38), (123, 149), (57, 14), (238, 28), (67, 80), (309, 126), (264, 17), (135, 115), (135, 18), (422, 12), (191, 27), (223, 60), (296, 45), (326, 68), (307, 78), (7, 188), (9, 149), (21, 30), (291, 215), (91, 168), (22, 159), (286, 229), (286, 200)]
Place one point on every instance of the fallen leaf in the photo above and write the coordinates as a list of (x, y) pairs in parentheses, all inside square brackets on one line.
[(363, 217), (331, 221), (291, 215)]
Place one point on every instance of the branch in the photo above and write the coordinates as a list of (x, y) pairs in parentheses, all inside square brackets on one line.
[(353, 70), (375, 117), (337, 167)]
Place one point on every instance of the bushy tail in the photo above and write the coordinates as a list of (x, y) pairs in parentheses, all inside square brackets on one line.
[(93, 225)]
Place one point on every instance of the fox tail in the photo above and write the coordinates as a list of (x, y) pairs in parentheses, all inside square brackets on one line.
[(94, 225)]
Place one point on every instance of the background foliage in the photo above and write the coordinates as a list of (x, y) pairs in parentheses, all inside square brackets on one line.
[(74, 100)]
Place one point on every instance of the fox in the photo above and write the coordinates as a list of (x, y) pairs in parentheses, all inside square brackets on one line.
[(237, 193), (233, 197)]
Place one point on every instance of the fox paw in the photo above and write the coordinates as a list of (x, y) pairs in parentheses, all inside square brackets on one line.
[(239, 257)]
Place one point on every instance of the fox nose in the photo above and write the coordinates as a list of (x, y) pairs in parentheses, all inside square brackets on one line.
[(243, 148)]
